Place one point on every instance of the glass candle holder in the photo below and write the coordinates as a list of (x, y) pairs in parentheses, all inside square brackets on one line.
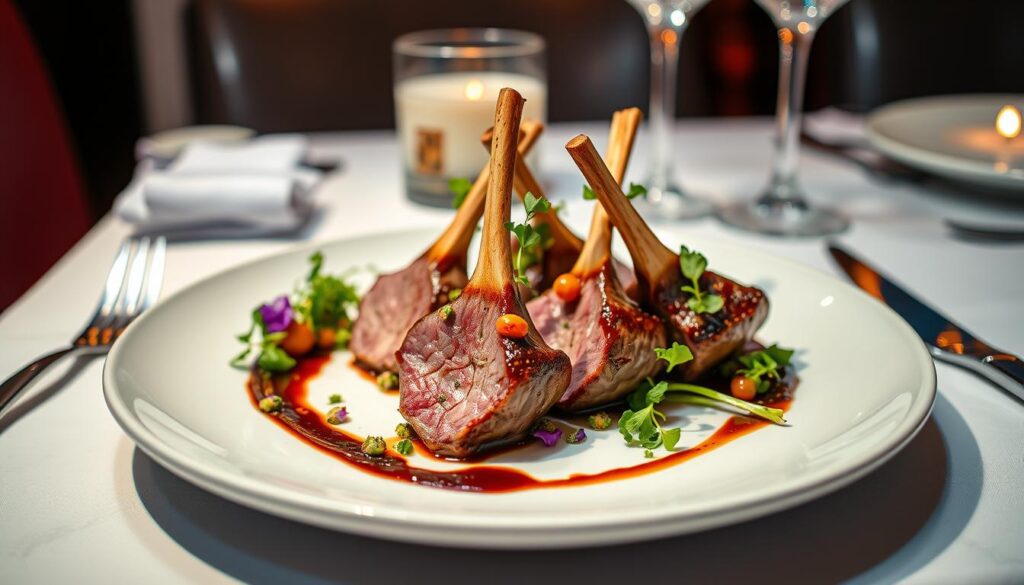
[(446, 85)]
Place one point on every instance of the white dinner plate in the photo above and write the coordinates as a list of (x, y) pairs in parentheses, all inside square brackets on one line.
[(867, 387), (953, 137)]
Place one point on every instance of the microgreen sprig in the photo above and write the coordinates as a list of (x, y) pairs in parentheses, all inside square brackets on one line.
[(531, 239), (641, 423), (635, 190), (675, 355), (270, 357), (322, 301), (326, 300), (459, 187), (762, 366), (404, 447), (693, 264), (768, 413)]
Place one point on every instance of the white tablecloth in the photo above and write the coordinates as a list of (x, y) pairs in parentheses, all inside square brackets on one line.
[(79, 503)]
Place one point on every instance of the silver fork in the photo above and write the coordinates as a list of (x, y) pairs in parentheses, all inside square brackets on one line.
[(133, 285)]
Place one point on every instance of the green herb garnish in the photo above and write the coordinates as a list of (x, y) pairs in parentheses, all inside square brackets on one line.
[(273, 358), (641, 424), (342, 337), (270, 357), (404, 431), (531, 239), (454, 294), (334, 399), (635, 190), (460, 187), (675, 355), (321, 302), (404, 447), (326, 299), (693, 264), (762, 366)]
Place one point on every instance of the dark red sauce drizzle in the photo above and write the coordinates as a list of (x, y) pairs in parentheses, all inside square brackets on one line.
[(302, 420)]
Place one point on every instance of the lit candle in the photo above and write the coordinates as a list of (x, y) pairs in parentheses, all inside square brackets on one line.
[(1008, 122), (441, 118)]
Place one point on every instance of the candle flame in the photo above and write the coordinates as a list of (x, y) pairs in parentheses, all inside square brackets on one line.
[(474, 90), (1008, 122)]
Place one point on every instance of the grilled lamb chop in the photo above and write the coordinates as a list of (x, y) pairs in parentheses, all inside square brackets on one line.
[(711, 337), (609, 339), (462, 386), (397, 300)]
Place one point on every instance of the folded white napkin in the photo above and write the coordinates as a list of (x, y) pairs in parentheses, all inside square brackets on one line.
[(837, 126), (247, 188)]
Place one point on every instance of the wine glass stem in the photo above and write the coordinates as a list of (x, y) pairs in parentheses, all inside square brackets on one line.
[(664, 67), (794, 49)]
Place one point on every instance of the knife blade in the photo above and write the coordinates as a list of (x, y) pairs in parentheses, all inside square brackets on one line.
[(946, 340)]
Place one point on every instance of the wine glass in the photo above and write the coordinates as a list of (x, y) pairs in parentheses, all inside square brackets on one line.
[(782, 209), (666, 20)]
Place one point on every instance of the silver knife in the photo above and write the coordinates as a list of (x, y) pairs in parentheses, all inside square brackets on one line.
[(946, 340)]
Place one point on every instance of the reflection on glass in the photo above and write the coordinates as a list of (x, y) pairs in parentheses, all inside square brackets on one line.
[(666, 20), (783, 209)]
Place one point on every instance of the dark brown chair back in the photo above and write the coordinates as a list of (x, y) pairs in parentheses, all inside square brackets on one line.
[(326, 64), (873, 52)]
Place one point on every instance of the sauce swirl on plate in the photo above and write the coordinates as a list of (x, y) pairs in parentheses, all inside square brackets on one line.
[(300, 418)]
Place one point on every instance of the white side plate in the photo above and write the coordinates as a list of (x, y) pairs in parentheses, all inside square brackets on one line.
[(953, 137)]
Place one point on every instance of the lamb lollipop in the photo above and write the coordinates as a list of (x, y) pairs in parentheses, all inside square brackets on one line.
[(711, 314), (397, 300), (475, 372), (609, 339)]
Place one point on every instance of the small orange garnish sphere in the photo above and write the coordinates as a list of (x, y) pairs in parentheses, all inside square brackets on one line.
[(298, 339), (326, 338), (509, 325), (743, 387), (567, 287)]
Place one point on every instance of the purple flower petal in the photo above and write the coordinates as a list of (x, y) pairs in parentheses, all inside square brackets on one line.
[(578, 437), (277, 314), (549, 437), (337, 415)]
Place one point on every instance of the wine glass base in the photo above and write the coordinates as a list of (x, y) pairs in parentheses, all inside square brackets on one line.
[(783, 219), (671, 203)]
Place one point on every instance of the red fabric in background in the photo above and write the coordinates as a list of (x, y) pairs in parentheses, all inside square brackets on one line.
[(42, 205)]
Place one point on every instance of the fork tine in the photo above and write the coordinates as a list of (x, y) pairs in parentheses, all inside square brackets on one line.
[(155, 277), (113, 286), (136, 277)]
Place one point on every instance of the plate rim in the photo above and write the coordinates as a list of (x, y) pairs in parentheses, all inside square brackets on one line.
[(521, 531), (951, 167)]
